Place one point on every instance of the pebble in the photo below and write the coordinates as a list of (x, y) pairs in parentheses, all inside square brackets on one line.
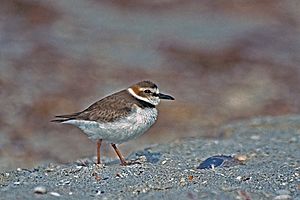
[(283, 192), (218, 161), (55, 194), (241, 157), (239, 178), (79, 167), (142, 159), (283, 196), (40, 190), (64, 182), (49, 169), (182, 182), (255, 137)]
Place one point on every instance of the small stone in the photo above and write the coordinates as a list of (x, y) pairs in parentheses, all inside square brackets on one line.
[(142, 159), (55, 194), (118, 175), (40, 190), (49, 169), (65, 182), (241, 157), (79, 167), (282, 197), (293, 139), (19, 169), (144, 190), (218, 161), (255, 137), (283, 192), (182, 182), (163, 162)]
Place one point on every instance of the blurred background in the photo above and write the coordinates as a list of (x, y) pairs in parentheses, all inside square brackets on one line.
[(222, 60)]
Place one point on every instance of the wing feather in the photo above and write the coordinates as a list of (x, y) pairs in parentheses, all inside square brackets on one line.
[(108, 109)]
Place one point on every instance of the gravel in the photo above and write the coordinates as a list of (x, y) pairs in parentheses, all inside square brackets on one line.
[(268, 148)]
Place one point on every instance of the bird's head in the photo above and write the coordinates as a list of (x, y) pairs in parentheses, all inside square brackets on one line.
[(148, 91)]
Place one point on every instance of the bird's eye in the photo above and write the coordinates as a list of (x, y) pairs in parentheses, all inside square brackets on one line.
[(147, 91)]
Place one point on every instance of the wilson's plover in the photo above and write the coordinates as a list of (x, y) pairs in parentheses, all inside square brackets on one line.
[(119, 117)]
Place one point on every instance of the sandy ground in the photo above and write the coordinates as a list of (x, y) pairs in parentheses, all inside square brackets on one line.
[(267, 147)]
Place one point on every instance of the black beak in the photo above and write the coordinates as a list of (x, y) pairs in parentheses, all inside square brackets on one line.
[(164, 96)]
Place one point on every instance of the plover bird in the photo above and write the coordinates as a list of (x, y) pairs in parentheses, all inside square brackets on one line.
[(119, 117)]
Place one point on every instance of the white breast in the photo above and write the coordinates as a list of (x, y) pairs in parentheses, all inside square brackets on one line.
[(120, 131)]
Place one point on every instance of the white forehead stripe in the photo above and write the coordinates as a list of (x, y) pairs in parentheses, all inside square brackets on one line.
[(137, 96)]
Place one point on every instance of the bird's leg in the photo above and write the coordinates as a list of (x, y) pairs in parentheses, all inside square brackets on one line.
[(123, 161), (98, 150)]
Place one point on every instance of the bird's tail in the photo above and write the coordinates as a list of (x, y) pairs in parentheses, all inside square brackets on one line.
[(59, 120), (63, 118)]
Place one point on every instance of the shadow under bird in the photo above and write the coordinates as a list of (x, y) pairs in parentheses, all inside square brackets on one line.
[(119, 117)]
